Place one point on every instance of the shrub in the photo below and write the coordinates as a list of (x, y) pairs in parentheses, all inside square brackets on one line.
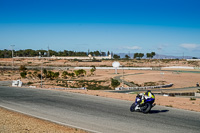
[(29, 83), (29, 72), (35, 73), (39, 76), (192, 99), (56, 74), (64, 74), (150, 84), (23, 74), (114, 83), (22, 68), (168, 105)]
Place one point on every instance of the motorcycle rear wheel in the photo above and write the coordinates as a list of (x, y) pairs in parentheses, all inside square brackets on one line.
[(146, 108)]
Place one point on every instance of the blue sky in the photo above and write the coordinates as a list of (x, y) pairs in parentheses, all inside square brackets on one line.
[(170, 27)]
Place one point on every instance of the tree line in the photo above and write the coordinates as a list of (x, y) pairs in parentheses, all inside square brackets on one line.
[(137, 55), (46, 53)]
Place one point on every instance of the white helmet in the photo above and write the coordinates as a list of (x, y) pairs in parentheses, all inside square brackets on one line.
[(141, 94)]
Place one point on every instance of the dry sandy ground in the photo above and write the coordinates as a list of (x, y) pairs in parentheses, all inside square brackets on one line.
[(179, 79), (127, 63), (12, 122)]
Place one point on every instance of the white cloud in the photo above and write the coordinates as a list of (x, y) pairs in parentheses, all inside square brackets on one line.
[(133, 48), (190, 46)]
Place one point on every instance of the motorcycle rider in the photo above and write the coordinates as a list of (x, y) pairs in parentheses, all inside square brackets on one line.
[(147, 95), (141, 98)]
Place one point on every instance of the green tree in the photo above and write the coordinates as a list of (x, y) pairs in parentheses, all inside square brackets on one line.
[(64, 74), (127, 57), (51, 52), (150, 55), (114, 83), (45, 72), (103, 53), (93, 69), (153, 54), (39, 75), (141, 55), (50, 75), (23, 74), (91, 53), (108, 53), (135, 55), (71, 74), (116, 56), (138, 55), (97, 53), (79, 72), (56, 74)]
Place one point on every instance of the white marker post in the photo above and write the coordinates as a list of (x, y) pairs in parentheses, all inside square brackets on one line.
[(115, 65)]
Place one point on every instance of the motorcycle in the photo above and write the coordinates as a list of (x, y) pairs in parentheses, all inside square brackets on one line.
[(145, 108)]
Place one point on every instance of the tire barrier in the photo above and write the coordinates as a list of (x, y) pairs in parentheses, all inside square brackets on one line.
[(144, 88)]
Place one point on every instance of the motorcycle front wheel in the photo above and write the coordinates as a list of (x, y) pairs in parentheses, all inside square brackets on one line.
[(132, 108)]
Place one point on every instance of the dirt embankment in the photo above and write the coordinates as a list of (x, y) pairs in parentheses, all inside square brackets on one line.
[(12, 122)]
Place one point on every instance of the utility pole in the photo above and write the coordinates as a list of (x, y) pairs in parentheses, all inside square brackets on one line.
[(12, 56), (48, 54), (12, 60), (123, 77), (48, 51), (40, 55)]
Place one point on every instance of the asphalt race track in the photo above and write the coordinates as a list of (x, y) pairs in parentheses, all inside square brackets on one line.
[(97, 114)]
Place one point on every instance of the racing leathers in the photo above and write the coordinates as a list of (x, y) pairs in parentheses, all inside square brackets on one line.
[(147, 95)]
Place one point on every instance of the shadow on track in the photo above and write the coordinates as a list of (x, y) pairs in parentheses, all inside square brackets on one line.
[(158, 111)]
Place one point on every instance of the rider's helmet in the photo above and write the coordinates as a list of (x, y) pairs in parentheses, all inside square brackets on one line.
[(139, 95), (146, 93)]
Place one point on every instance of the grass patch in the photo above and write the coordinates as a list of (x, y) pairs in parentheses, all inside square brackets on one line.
[(150, 84), (168, 105), (29, 83), (192, 99), (133, 93)]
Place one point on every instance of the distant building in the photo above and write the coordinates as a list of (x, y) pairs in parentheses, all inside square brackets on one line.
[(193, 59), (89, 57)]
